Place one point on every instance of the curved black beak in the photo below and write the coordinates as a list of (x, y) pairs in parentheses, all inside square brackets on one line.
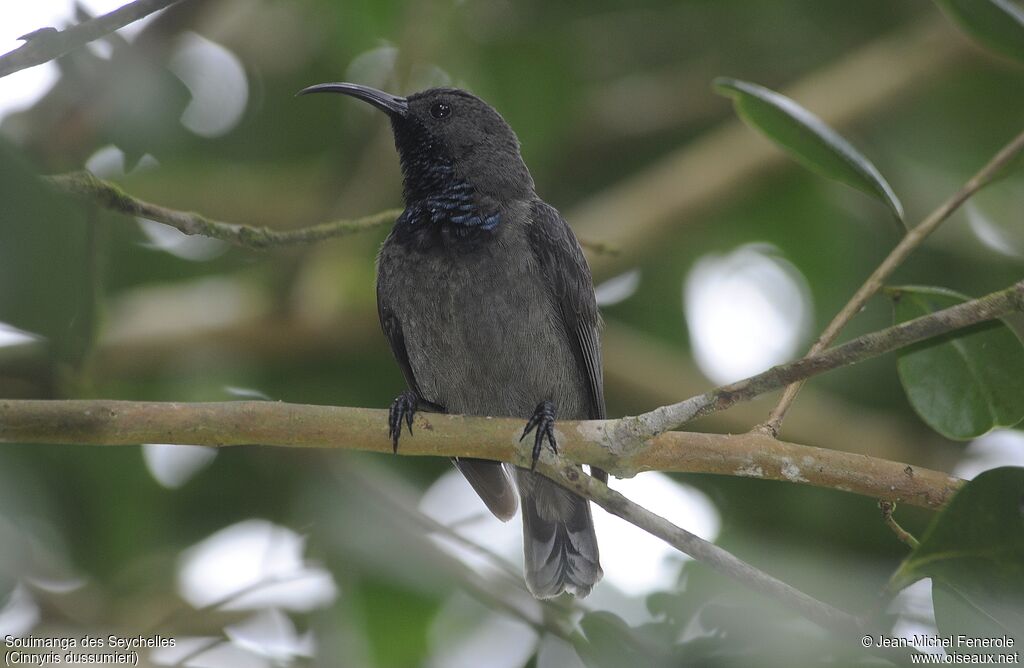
[(386, 102)]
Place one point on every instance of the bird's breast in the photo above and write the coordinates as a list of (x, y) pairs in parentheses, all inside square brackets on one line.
[(481, 330), (454, 218)]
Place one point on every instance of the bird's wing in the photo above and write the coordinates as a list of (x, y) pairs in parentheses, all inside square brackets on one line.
[(566, 272), (392, 324), (392, 327), (488, 478)]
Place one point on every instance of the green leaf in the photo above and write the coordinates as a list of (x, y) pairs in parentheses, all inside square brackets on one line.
[(807, 138), (974, 552), (967, 382), (958, 613), (997, 24)]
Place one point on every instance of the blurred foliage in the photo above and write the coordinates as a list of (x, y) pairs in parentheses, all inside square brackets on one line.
[(597, 92), (999, 24)]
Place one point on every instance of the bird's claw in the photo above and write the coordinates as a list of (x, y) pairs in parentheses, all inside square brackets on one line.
[(543, 421), (403, 408)]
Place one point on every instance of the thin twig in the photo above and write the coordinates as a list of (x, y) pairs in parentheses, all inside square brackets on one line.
[(992, 306), (557, 613), (841, 623), (718, 559), (657, 373), (887, 508), (903, 249), (110, 196), (374, 486), (46, 44), (184, 609), (382, 491)]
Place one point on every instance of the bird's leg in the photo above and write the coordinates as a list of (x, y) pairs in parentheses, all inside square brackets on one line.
[(543, 420), (403, 408)]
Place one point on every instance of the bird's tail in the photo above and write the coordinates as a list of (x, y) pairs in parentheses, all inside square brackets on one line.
[(558, 538), (492, 485)]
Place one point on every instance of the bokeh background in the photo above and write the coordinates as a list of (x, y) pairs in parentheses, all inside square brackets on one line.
[(730, 258)]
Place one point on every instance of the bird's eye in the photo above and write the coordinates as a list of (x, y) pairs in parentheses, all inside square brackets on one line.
[(440, 110)]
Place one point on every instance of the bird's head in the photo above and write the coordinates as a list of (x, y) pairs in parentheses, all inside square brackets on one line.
[(447, 134)]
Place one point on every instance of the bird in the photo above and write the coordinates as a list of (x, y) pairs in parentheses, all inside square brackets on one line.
[(487, 301)]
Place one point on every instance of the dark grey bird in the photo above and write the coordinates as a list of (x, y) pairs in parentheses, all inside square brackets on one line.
[(487, 301)]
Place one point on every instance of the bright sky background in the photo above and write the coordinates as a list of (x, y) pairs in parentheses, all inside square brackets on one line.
[(746, 310), (19, 17), (214, 76)]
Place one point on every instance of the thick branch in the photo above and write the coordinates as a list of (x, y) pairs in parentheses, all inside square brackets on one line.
[(647, 369), (622, 446), (99, 422), (989, 307), (272, 423), (907, 245), (47, 44)]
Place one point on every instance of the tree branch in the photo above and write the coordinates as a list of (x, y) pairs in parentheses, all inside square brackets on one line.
[(623, 447), (888, 508), (651, 371), (903, 249), (47, 44), (605, 443), (222, 424), (645, 368), (722, 561), (274, 423), (382, 491), (995, 305), (842, 624), (108, 195)]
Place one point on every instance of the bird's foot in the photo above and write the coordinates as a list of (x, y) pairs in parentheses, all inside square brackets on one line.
[(403, 408), (543, 421)]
